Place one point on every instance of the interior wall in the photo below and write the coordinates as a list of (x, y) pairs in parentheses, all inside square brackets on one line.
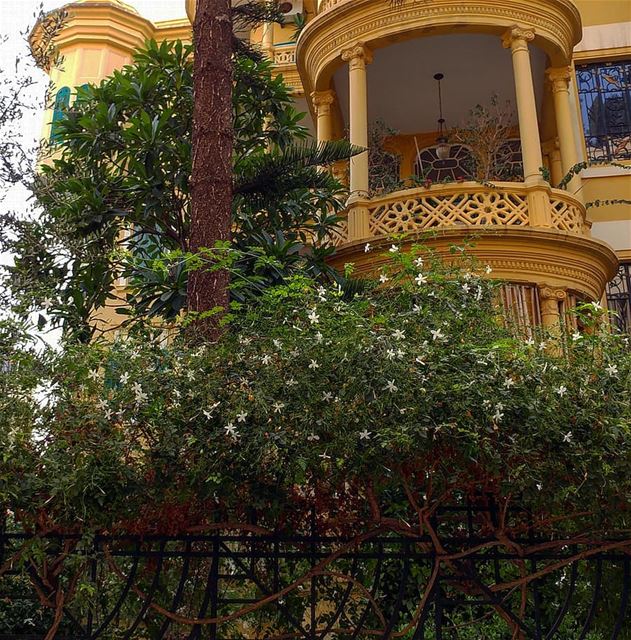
[(402, 90)]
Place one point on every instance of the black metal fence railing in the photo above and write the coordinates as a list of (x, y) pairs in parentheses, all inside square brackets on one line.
[(248, 584)]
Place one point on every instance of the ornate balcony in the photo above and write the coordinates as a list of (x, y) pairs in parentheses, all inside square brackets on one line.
[(543, 241)]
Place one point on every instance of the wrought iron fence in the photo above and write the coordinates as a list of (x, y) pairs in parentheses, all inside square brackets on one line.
[(247, 584)]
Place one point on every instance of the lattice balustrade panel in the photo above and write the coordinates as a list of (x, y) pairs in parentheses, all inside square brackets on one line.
[(339, 235), (327, 4), (567, 216), (285, 55), (427, 211)]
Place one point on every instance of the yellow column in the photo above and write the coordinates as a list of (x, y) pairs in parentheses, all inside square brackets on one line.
[(322, 100), (560, 80), (268, 40), (516, 39), (550, 299), (358, 57), (556, 166)]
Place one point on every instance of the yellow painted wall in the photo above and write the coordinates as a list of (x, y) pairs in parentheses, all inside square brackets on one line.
[(595, 12)]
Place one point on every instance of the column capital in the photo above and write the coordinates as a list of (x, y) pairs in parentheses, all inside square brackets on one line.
[(357, 55), (323, 99), (517, 37), (549, 293), (559, 78)]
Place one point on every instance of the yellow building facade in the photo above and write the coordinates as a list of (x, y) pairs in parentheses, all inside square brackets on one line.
[(562, 70)]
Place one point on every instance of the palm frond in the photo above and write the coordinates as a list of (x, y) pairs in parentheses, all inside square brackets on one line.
[(258, 173)]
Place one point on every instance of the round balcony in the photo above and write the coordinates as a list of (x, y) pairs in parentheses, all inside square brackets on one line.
[(543, 241), (379, 23)]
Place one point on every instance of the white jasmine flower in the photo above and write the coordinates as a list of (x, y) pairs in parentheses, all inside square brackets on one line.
[(327, 396), (418, 262), (124, 379), (314, 318), (567, 437), (597, 306), (576, 336), (278, 407), (314, 365), (612, 370), (420, 279), (277, 343), (539, 486), (102, 404), (488, 269), (266, 359), (47, 303), (416, 308), (498, 415), (364, 435), (530, 342), (437, 334), (231, 430), (509, 382), (391, 387), (176, 393), (291, 382), (383, 278), (313, 437), (324, 456), (94, 374), (561, 391), (108, 414), (245, 341), (242, 416), (141, 396), (319, 337), (391, 354), (398, 335), (207, 414), (190, 375), (367, 247), (394, 249), (466, 287)]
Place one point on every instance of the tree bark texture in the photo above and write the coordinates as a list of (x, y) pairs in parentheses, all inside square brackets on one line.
[(211, 179)]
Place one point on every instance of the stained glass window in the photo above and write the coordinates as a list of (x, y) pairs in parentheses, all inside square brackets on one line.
[(604, 91)]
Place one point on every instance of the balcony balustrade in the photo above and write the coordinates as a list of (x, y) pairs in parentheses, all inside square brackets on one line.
[(465, 204)]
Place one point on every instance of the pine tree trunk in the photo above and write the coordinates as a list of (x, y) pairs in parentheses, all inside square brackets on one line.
[(211, 179)]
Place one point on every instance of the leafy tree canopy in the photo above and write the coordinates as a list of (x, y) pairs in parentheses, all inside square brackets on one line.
[(120, 167)]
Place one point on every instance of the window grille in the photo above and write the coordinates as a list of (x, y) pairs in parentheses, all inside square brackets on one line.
[(461, 165), (619, 298), (604, 91)]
